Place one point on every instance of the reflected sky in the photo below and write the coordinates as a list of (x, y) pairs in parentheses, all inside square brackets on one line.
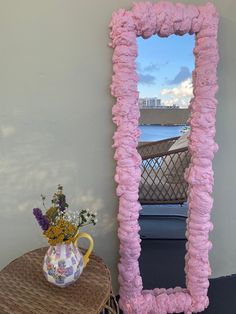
[(165, 67)]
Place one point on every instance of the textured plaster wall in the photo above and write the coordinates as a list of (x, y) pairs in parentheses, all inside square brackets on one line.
[(55, 122)]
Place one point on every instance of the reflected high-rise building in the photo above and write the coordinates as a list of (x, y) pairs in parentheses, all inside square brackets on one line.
[(149, 102), (154, 103)]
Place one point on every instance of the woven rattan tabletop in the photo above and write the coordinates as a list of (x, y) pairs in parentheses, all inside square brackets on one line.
[(24, 290)]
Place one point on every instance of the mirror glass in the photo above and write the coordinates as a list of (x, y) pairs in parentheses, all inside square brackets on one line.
[(164, 66)]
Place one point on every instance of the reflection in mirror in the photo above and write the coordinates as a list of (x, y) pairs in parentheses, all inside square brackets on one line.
[(164, 66)]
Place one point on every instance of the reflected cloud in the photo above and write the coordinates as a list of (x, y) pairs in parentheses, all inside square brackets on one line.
[(146, 79), (179, 95), (181, 76), (152, 67)]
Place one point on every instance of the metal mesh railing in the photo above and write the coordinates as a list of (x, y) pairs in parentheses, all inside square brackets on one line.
[(162, 179)]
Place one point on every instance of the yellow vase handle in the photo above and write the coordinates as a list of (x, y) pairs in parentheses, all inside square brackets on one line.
[(89, 250)]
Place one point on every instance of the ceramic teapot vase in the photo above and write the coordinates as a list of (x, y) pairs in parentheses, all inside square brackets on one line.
[(64, 263)]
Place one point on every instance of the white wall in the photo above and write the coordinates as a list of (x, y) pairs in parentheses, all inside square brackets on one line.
[(55, 122)]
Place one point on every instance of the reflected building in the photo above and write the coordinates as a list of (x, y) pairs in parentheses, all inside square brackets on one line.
[(149, 102), (153, 103)]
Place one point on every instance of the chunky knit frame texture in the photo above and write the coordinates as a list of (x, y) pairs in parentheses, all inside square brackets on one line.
[(164, 18)]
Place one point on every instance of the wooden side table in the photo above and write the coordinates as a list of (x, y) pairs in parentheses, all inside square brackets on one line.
[(24, 290)]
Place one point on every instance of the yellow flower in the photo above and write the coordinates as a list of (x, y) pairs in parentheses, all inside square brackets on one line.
[(63, 231)]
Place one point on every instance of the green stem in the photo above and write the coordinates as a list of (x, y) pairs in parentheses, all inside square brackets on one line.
[(81, 225)]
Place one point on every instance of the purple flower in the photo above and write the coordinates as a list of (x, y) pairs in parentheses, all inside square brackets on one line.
[(42, 220), (62, 202)]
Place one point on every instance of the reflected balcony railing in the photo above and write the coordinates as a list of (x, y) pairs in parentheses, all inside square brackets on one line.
[(163, 168)]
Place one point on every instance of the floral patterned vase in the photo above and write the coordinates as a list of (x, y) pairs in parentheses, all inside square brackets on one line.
[(64, 263)]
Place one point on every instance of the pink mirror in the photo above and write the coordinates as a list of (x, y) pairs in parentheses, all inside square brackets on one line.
[(164, 19)]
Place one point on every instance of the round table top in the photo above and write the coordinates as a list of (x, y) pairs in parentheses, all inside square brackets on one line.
[(24, 289)]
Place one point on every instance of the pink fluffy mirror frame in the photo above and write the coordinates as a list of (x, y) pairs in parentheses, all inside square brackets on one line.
[(164, 18)]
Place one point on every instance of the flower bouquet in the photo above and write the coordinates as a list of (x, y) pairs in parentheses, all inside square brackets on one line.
[(63, 262)]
